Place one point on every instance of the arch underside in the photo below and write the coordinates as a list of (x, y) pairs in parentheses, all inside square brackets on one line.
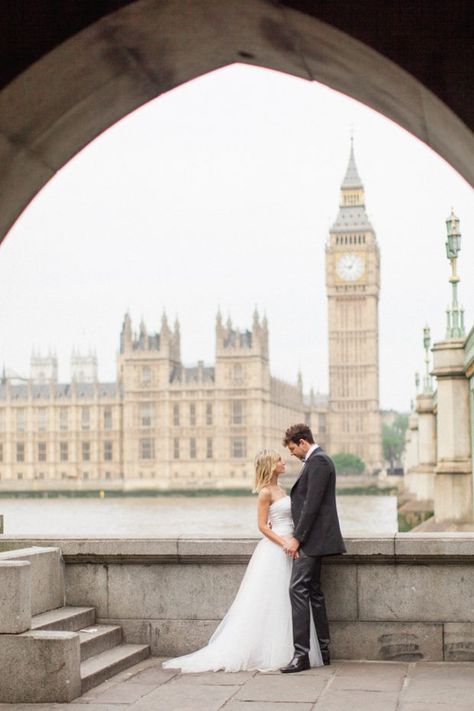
[(69, 96)]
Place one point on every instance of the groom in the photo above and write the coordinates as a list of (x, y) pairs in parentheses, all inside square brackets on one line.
[(316, 534)]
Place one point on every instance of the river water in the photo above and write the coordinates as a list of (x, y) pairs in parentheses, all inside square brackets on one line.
[(216, 516)]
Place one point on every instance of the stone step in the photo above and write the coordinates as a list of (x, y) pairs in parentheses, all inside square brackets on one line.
[(104, 665), (98, 638), (68, 619)]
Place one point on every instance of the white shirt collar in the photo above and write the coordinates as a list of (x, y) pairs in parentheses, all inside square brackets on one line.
[(310, 451)]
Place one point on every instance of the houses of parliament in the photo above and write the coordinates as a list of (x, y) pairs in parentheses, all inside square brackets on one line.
[(162, 425)]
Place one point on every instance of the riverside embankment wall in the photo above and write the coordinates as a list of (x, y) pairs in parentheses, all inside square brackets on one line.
[(399, 597)]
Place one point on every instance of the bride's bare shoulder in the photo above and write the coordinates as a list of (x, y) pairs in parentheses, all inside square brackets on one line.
[(265, 495)]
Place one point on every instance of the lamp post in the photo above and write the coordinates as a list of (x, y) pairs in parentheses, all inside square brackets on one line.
[(427, 382), (455, 314)]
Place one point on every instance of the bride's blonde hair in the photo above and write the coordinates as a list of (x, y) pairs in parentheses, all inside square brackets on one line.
[(265, 463)]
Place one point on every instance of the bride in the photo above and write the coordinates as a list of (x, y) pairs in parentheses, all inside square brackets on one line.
[(256, 633)]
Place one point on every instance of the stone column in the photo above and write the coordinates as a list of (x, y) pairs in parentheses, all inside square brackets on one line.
[(422, 476), (411, 457), (453, 481)]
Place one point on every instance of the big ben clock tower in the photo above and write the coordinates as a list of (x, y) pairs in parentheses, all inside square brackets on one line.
[(353, 285)]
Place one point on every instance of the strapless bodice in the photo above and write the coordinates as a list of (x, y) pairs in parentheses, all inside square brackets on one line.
[(280, 516)]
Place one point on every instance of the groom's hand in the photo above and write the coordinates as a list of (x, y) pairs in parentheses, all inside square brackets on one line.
[(292, 548)]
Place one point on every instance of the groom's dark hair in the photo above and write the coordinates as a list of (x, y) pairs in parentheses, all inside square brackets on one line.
[(297, 432)]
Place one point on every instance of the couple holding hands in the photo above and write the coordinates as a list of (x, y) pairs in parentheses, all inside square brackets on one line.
[(278, 618)]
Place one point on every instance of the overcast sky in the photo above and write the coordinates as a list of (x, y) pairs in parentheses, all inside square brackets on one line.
[(222, 192)]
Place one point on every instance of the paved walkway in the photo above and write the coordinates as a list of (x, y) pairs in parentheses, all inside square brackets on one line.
[(344, 686)]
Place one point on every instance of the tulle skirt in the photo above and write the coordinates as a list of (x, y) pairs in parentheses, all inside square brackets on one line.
[(256, 633)]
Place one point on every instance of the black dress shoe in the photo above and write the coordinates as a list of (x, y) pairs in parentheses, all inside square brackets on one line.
[(297, 664), (326, 657)]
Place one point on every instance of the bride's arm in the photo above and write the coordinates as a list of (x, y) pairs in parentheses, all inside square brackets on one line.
[(263, 506)]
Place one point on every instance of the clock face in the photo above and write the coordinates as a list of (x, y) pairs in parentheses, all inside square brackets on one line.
[(350, 266)]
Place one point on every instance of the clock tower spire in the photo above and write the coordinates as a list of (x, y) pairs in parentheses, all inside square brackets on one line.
[(353, 285)]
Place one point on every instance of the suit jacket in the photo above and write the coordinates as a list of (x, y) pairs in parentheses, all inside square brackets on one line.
[(313, 507)]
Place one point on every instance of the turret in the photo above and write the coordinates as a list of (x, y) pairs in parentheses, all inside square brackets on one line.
[(84, 368), (299, 380), (256, 320), (44, 369), (232, 341), (165, 329), (148, 358), (143, 337), (126, 334), (219, 326), (175, 351)]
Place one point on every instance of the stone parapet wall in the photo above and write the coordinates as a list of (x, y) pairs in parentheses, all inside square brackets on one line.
[(399, 597)]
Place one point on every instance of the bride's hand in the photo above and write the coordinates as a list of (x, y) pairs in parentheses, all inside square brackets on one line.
[(291, 548), (293, 555)]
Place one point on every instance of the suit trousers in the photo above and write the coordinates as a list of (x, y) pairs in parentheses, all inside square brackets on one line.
[(305, 591)]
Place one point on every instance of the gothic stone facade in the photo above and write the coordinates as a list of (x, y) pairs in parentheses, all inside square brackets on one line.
[(161, 425), (165, 425)]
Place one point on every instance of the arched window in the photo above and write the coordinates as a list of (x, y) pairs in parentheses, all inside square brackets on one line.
[(237, 374)]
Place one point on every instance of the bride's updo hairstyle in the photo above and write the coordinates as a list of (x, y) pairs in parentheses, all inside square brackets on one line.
[(265, 463)]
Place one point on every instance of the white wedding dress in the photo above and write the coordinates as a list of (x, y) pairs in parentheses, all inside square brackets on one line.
[(256, 632)]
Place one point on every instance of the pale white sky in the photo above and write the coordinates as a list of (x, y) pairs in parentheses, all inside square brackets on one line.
[(222, 192)]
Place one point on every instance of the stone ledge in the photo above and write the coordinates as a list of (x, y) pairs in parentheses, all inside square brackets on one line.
[(46, 572), (400, 547), (462, 468), (453, 545)]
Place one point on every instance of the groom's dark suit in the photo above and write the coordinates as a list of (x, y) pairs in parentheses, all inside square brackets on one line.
[(314, 512)]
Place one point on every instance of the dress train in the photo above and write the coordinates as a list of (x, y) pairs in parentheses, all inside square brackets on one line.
[(256, 633)]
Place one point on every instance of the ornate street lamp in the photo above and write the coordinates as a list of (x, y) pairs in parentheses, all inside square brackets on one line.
[(455, 314), (427, 382)]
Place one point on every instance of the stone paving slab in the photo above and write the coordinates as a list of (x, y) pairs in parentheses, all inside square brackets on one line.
[(123, 693), (218, 678), (266, 706), (74, 706), (447, 672), (437, 694), (372, 669), (185, 697), (153, 675), (357, 701), (366, 683), (286, 687), (432, 707), (147, 672), (343, 686)]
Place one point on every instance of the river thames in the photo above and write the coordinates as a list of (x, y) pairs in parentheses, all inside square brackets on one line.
[(213, 516)]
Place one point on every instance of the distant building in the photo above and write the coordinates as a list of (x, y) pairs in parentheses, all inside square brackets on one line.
[(162, 424), (165, 425), (353, 285)]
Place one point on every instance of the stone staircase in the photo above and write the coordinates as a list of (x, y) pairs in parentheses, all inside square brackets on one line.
[(51, 652), (102, 650)]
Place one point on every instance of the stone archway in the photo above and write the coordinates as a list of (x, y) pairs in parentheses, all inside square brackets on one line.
[(121, 60)]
